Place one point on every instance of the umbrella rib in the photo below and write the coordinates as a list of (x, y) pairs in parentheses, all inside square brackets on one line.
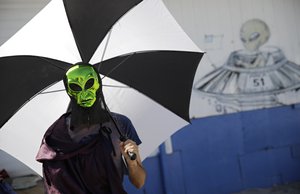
[(117, 66), (51, 63), (115, 86), (105, 48), (61, 90), (53, 91)]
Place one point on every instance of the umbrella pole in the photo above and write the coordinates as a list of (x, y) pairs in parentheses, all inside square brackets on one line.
[(123, 137)]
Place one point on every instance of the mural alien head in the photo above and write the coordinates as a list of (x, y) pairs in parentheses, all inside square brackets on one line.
[(254, 33)]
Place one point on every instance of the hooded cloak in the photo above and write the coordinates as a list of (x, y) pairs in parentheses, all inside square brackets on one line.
[(91, 166)]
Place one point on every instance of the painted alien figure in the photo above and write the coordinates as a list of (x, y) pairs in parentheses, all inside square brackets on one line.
[(253, 77)]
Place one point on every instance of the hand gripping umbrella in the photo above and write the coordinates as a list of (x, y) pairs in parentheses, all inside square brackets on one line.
[(151, 60)]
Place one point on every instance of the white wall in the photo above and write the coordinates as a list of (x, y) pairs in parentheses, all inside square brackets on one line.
[(16, 13), (224, 18), (214, 26)]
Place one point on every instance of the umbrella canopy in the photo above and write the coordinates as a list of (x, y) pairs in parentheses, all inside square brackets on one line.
[(161, 64)]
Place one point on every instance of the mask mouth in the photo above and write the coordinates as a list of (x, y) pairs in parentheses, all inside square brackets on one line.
[(86, 102)]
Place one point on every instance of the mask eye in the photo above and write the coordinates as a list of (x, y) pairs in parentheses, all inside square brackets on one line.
[(89, 83), (75, 87)]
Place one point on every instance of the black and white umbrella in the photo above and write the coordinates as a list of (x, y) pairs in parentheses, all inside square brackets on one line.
[(146, 60)]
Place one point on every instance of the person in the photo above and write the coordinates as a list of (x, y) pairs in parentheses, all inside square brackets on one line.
[(89, 149), (5, 187)]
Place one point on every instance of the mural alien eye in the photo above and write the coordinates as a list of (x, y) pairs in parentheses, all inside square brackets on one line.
[(75, 87), (243, 40), (254, 36), (89, 83)]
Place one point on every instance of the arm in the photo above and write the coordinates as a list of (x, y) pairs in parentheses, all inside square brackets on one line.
[(137, 174)]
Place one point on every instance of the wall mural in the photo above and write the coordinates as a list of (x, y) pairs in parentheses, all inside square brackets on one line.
[(256, 76)]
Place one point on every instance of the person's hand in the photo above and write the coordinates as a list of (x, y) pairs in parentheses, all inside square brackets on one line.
[(128, 146), (137, 174)]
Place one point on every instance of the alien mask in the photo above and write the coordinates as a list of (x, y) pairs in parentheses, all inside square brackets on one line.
[(82, 84)]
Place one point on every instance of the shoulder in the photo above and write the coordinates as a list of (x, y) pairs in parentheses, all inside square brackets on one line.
[(127, 127), (121, 118), (59, 123)]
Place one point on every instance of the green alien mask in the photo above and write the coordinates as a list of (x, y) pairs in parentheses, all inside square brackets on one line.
[(82, 84)]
